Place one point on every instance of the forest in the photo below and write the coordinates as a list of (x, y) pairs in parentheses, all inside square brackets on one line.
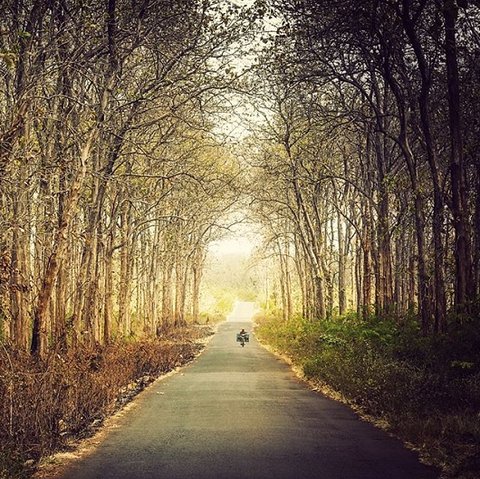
[(133, 135)]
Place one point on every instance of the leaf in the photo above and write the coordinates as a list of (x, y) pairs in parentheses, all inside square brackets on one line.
[(8, 59), (24, 35)]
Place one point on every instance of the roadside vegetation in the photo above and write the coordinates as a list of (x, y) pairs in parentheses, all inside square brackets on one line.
[(426, 390), (45, 405)]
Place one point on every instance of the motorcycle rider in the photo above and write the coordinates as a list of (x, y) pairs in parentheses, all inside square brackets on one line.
[(243, 336)]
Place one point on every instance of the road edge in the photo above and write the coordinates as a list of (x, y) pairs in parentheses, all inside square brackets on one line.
[(324, 389), (56, 465)]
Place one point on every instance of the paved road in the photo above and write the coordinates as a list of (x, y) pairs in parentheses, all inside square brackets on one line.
[(239, 413)]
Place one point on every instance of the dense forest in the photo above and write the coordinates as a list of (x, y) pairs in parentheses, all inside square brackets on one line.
[(358, 163), (112, 181), (368, 171)]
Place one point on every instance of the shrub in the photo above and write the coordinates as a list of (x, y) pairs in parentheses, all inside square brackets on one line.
[(44, 403), (427, 388)]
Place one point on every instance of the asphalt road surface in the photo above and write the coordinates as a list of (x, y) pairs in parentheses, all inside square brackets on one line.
[(240, 413)]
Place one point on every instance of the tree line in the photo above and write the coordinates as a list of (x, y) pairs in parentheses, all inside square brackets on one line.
[(367, 174), (112, 182)]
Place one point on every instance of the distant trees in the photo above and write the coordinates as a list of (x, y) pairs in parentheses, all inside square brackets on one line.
[(367, 155), (111, 182)]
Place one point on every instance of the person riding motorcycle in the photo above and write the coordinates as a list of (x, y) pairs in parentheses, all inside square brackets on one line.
[(243, 337)]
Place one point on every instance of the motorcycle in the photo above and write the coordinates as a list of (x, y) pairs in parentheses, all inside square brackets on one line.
[(243, 338)]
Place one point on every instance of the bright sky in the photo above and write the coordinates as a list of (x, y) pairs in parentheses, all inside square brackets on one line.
[(240, 245), (240, 116), (242, 239), (243, 3), (234, 125)]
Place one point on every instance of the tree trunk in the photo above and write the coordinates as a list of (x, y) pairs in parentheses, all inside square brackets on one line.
[(126, 265), (108, 306), (463, 264), (438, 200), (359, 278), (167, 302), (367, 263), (39, 335), (342, 288), (476, 275), (18, 284)]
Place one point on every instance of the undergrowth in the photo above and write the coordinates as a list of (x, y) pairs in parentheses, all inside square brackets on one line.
[(44, 404), (427, 389)]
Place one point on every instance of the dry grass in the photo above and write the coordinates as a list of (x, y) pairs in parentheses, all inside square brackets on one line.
[(43, 404)]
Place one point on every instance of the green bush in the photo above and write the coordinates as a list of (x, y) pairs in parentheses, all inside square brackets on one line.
[(427, 388)]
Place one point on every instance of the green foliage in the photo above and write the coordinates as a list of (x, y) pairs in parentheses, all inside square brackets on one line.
[(418, 384), (223, 301), (8, 59), (24, 35), (227, 280), (210, 318)]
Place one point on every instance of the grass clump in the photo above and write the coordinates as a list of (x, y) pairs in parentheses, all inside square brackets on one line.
[(427, 389)]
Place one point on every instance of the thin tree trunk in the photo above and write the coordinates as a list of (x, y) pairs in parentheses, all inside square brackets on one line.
[(108, 306), (126, 265), (18, 285), (463, 263), (476, 259), (367, 262), (39, 335), (342, 288), (438, 200)]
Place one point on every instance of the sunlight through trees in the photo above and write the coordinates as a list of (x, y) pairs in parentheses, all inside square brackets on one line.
[(331, 146)]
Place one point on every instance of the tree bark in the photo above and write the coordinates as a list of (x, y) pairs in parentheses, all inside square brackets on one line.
[(39, 334), (463, 262)]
